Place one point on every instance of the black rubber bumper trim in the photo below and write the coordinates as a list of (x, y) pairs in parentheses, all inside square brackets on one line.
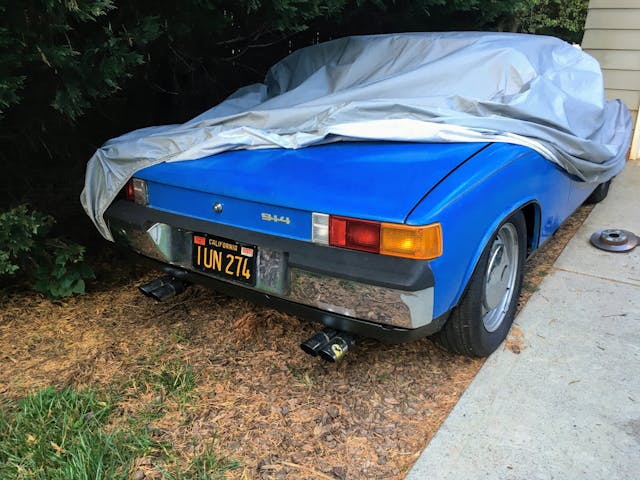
[(379, 270), (358, 327)]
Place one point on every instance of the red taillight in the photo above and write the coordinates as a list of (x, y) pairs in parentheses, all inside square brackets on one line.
[(129, 191), (337, 231), (419, 242), (135, 190), (355, 234)]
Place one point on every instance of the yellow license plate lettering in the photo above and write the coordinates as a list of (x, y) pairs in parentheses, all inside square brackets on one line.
[(208, 256), (240, 264), (217, 260), (245, 271), (230, 259)]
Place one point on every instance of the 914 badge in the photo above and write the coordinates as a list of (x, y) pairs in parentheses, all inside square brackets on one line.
[(267, 217)]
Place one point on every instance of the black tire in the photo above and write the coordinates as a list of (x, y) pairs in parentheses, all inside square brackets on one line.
[(599, 194), (465, 331)]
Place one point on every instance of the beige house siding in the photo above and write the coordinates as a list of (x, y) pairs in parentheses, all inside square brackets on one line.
[(612, 35)]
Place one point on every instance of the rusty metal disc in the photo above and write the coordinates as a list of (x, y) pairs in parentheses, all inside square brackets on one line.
[(614, 240)]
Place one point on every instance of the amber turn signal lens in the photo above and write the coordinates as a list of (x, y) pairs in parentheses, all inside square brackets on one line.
[(420, 243)]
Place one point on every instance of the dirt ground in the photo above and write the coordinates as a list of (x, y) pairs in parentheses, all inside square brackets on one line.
[(280, 413)]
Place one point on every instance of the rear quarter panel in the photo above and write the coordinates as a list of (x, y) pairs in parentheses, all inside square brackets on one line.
[(475, 198)]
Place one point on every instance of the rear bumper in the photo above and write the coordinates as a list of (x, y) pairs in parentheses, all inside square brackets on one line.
[(387, 298)]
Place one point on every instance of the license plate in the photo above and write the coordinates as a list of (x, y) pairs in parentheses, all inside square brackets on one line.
[(225, 258)]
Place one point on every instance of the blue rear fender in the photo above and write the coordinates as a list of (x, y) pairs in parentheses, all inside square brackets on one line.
[(477, 197)]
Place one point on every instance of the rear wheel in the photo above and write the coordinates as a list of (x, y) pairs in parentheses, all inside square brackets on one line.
[(481, 321), (600, 193)]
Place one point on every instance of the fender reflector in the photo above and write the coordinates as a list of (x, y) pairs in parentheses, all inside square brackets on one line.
[(418, 242)]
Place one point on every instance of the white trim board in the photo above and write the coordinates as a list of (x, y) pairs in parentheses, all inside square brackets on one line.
[(634, 154)]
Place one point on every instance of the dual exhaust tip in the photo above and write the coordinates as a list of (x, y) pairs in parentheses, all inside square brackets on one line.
[(329, 344), (164, 288)]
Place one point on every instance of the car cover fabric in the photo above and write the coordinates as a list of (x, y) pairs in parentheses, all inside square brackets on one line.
[(536, 91)]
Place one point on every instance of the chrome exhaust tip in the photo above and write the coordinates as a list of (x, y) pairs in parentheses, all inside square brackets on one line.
[(313, 345), (163, 288), (335, 350)]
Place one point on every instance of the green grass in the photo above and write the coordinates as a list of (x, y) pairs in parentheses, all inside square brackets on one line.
[(206, 466), (176, 378), (60, 434), (69, 435)]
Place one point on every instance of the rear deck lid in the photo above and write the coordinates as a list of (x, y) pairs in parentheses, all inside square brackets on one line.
[(370, 180)]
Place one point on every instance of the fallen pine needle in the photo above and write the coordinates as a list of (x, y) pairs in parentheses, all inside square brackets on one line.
[(308, 469)]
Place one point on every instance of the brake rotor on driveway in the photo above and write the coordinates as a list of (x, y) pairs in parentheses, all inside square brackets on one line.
[(614, 240)]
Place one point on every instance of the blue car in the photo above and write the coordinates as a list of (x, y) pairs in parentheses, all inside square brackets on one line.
[(389, 240)]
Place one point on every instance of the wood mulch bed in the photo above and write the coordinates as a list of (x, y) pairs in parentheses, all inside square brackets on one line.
[(279, 412)]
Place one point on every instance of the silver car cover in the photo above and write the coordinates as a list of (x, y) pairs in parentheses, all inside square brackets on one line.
[(424, 87)]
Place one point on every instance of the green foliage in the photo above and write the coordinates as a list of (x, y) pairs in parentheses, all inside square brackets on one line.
[(71, 54), (68, 50), (52, 266), (61, 270), (564, 18), (20, 230)]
